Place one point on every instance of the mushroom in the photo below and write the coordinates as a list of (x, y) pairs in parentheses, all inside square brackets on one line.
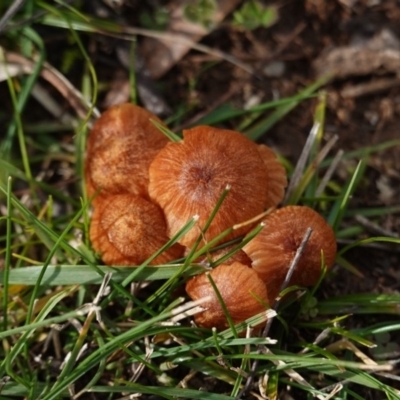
[(274, 248), (120, 148), (187, 178), (277, 180), (127, 229), (243, 292)]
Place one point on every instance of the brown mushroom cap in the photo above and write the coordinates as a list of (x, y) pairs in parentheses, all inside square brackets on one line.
[(127, 229), (240, 287), (120, 148), (187, 178), (277, 180), (274, 248)]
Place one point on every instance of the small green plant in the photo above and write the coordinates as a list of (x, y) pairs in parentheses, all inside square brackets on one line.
[(309, 308), (253, 15), (201, 12), (157, 19)]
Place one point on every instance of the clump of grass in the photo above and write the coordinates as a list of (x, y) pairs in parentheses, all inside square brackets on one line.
[(71, 327)]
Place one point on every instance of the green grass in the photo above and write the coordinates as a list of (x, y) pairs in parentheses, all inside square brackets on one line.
[(70, 325)]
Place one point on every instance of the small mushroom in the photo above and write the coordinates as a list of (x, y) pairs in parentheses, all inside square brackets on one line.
[(274, 248), (120, 148), (127, 229), (242, 291), (187, 178)]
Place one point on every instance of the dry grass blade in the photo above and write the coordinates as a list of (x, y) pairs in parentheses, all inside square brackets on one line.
[(20, 64), (302, 161), (129, 33), (329, 173), (375, 228), (11, 11)]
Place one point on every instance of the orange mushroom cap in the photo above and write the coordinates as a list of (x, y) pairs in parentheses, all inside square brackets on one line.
[(241, 289), (120, 148), (127, 229), (277, 179), (187, 178), (274, 248)]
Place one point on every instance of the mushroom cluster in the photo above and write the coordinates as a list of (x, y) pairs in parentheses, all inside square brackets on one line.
[(145, 189), (127, 227)]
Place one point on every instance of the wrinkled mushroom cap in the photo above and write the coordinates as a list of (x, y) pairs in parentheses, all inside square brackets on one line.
[(187, 178), (127, 229), (120, 148), (241, 289), (274, 248)]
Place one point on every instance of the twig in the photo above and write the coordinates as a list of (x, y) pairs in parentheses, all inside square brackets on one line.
[(286, 42), (375, 228), (369, 88), (260, 349), (328, 175)]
